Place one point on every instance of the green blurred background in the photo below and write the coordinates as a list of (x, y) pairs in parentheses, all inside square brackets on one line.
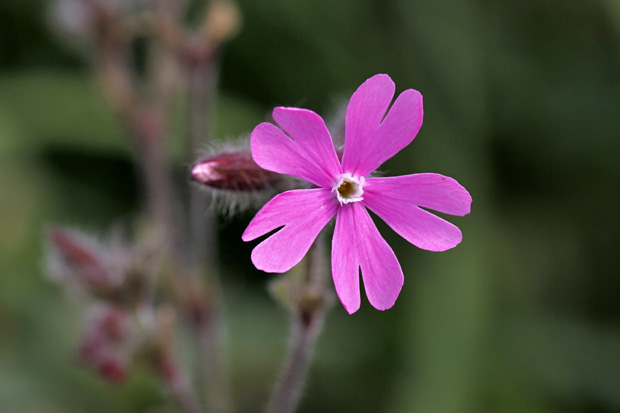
[(522, 106)]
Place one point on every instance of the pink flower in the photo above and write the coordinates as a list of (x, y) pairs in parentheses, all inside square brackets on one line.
[(304, 148)]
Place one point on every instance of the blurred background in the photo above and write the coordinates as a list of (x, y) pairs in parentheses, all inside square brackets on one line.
[(522, 107)]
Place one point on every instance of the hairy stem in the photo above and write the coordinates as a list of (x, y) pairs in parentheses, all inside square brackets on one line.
[(148, 130), (305, 328), (306, 322), (201, 69), (180, 390), (202, 80)]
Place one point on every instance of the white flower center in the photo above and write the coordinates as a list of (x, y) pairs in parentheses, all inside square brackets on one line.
[(349, 189)]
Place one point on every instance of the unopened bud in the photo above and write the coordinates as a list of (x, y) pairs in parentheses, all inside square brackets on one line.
[(114, 370), (108, 324), (233, 171), (77, 258), (110, 270), (113, 324), (106, 343), (296, 293)]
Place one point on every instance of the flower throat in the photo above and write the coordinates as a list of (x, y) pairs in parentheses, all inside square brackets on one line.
[(349, 189)]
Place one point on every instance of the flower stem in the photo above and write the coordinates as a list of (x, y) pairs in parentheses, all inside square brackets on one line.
[(200, 65), (176, 383), (156, 174), (305, 329), (201, 72), (306, 322)]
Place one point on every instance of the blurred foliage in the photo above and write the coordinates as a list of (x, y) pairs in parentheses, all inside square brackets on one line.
[(521, 106)]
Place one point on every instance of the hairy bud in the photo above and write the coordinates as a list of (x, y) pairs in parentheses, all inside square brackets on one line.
[(76, 258), (110, 271), (114, 370), (233, 171), (107, 343), (236, 182)]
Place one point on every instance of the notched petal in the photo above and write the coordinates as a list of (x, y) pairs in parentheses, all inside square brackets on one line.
[(306, 152), (398, 200), (371, 135), (303, 214), (359, 246)]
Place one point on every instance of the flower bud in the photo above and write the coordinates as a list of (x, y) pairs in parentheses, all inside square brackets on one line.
[(233, 171), (79, 259), (114, 370), (106, 343), (294, 292)]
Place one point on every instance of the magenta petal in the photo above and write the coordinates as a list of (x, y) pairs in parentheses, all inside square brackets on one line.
[(345, 261), (428, 190), (303, 213), (357, 241), (371, 137), (396, 206), (309, 155)]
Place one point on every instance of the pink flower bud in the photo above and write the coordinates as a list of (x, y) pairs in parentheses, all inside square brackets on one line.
[(114, 370), (77, 258), (113, 324), (106, 343), (233, 171)]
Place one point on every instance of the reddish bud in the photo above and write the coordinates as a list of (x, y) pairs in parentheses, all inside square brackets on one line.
[(109, 270), (106, 342), (114, 370), (96, 354), (78, 258), (113, 324), (233, 171)]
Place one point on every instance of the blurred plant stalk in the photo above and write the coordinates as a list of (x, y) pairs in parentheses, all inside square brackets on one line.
[(305, 293), (144, 54)]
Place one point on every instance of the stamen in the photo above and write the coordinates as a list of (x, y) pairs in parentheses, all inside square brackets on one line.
[(349, 189), (346, 189)]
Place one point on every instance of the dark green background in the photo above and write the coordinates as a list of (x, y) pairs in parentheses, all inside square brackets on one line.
[(522, 105)]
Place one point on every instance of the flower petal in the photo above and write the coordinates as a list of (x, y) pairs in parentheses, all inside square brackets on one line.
[(396, 200), (309, 155), (371, 139), (358, 244), (345, 261), (434, 191), (303, 213)]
